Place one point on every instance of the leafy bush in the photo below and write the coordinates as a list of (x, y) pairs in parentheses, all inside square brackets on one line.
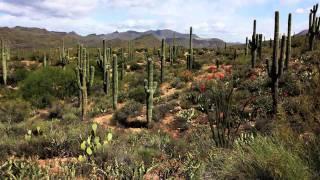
[(45, 85), (14, 110), (138, 94), (135, 67), (132, 108)]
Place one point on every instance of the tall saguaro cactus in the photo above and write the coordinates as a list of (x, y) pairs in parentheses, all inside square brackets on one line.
[(190, 56), (314, 26), (254, 45), (246, 50), (174, 48), (103, 64), (150, 87), (260, 37), (288, 49), (162, 60), (63, 56), (115, 81), (277, 64), (44, 60), (5, 56), (85, 77)]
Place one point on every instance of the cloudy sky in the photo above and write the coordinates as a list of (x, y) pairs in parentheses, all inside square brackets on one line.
[(230, 20)]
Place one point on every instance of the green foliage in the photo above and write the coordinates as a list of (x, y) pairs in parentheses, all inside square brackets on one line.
[(265, 158), (132, 108), (93, 143), (138, 94), (43, 86), (14, 111)]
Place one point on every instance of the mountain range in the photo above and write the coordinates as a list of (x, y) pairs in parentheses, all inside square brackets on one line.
[(25, 37)]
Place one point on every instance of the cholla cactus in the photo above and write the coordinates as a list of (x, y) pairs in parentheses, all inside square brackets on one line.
[(150, 88)]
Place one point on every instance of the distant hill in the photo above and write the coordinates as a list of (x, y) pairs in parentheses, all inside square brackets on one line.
[(22, 37), (302, 33)]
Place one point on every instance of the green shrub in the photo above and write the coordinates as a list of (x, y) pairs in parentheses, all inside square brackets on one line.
[(14, 110), (132, 108), (45, 85), (135, 67), (138, 94), (265, 158)]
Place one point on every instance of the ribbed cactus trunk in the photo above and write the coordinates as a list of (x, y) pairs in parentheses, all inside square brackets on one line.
[(44, 60), (254, 45), (246, 50), (115, 82), (174, 49), (260, 37), (190, 50), (277, 65), (162, 60), (149, 87), (123, 64), (288, 49), (85, 77), (103, 64), (314, 25), (4, 58)]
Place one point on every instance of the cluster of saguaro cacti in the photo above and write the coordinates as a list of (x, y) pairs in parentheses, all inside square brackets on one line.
[(276, 70), (115, 82), (5, 56), (314, 26), (255, 44), (190, 56), (162, 60), (63, 55), (85, 77), (103, 63), (150, 87)]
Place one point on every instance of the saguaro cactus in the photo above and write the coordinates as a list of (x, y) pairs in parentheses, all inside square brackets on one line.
[(83, 75), (277, 65), (190, 64), (115, 81), (174, 48), (103, 64), (162, 60), (44, 60), (288, 49), (314, 25), (246, 50), (63, 56), (254, 45), (5, 56), (260, 37), (150, 87)]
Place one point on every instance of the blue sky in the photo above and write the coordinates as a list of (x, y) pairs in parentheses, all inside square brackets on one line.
[(230, 20)]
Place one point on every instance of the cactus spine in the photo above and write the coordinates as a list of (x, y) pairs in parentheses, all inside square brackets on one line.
[(84, 74), (288, 50), (277, 65), (5, 56), (115, 81), (314, 26), (150, 87), (254, 45), (162, 59), (190, 55)]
